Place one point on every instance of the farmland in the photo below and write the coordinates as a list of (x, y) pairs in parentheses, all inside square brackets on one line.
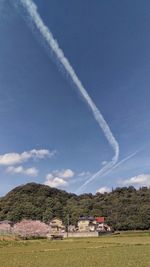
[(126, 249)]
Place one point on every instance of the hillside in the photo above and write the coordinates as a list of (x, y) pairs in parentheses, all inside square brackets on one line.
[(124, 208)]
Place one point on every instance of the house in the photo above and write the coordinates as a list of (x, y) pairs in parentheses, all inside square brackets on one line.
[(83, 224), (86, 224), (57, 226), (91, 224), (101, 225)]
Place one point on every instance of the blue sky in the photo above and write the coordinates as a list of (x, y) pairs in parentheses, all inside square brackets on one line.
[(41, 111)]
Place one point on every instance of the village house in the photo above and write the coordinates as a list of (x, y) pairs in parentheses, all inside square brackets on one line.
[(91, 224), (57, 226), (101, 225), (86, 224)]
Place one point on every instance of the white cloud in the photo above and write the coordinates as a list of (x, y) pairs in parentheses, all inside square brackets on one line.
[(139, 180), (65, 174), (103, 190), (41, 153), (55, 182), (21, 170), (16, 158), (58, 178)]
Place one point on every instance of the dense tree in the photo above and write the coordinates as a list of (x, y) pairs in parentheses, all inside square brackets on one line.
[(124, 208)]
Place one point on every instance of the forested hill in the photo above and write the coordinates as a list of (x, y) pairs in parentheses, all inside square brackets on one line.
[(124, 208)]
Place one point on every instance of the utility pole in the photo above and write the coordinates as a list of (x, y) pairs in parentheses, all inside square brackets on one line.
[(68, 222)]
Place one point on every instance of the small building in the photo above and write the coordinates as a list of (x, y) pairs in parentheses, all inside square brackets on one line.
[(86, 224), (91, 224), (102, 226), (83, 224), (57, 226)]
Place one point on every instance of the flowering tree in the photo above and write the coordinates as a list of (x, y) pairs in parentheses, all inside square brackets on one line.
[(30, 228), (5, 228)]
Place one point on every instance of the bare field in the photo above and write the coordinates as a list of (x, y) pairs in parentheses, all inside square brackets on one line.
[(127, 249)]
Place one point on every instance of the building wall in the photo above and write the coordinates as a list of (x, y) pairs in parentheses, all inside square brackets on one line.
[(57, 226), (81, 234), (83, 225), (56, 222)]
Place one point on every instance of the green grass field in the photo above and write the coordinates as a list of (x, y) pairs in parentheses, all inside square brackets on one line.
[(126, 249)]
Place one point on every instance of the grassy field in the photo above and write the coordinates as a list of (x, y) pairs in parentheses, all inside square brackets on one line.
[(124, 250)]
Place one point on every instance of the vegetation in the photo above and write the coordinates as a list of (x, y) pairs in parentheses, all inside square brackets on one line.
[(125, 250), (124, 208)]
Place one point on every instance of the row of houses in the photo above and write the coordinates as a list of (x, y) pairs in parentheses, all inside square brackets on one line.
[(85, 224), (36, 228)]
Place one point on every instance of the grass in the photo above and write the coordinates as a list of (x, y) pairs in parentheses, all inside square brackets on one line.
[(125, 250)]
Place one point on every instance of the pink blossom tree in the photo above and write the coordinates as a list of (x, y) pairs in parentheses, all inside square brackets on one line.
[(5, 228), (30, 228)]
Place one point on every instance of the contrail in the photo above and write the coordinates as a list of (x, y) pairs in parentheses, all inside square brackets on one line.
[(35, 17), (122, 161), (104, 172)]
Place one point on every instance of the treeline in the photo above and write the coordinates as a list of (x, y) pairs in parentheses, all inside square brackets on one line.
[(124, 208)]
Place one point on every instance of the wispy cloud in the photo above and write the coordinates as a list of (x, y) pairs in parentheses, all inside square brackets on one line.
[(21, 170), (59, 178), (139, 180), (84, 174), (16, 158)]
